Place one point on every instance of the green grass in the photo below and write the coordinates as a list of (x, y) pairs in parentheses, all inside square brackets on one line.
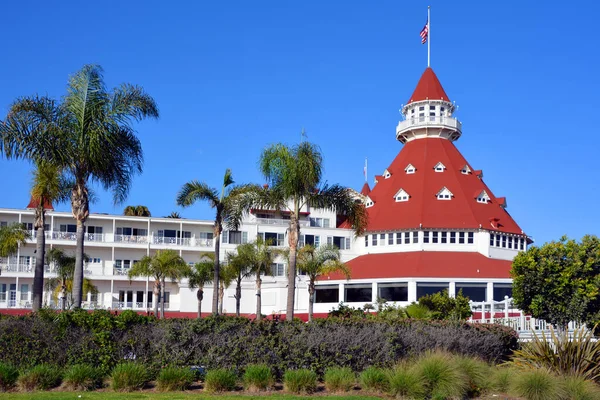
[(258, 377), (340, 379), (174, 378), (300, 381), (220, 380), (157, 396), (129, 376)]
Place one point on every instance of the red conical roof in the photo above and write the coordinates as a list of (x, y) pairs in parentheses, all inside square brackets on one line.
[(365, 189), (428, 88), (423, 209), (34, 203)]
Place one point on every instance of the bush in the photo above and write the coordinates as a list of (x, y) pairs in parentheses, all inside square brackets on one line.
[(406, 383), (40, 377), (580, 389), (477, 373), (175, 378), (340, 379), (83, 377), (442, 306), (441, 376), (8, 376), (220, 380), (537, 384), (374, 379), (300, 381), (258, 377), (129, 376), (501, 379)]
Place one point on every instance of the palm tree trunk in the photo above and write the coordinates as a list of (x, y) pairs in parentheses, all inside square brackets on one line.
[(40, 248), (162, 299), (238, 297), (156, 297), (200, 296), (293, 236), (215, 299), (78, 274), (221, 295), (258, 297), (311, 299)]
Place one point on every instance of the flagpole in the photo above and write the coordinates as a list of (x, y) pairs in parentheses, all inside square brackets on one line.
[(366, 179), (428, 36)]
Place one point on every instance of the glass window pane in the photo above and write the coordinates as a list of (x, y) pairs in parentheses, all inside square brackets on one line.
[(327, 294), (430, 288), (393, 291), (474, 291), (358, 293), (501, 290)]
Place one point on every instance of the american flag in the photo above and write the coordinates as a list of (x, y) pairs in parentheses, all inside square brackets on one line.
[(425, 33)]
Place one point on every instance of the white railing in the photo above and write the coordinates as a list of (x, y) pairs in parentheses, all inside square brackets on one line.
[(131, 239), (64, 235), (428, 120), (120, 271), (280, 222), (94, 237), (203, 242)]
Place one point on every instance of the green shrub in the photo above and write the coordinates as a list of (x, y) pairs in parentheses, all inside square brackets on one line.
[(537, 384), (580, 389), (442, 306), (300, 381), (442, 376), (501, 378), (340, 379), (220, 380), (40, 377), (477, 373), (8, 376), (258, 377), (406, 383), (129, 376), (374, 379), (175, 378), (83, 377)]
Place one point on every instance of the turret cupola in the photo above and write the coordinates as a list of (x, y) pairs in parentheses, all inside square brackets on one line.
[(428, 112)]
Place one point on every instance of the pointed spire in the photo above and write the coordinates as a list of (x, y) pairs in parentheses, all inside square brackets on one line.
[(365, 189), (428, 88), (33, 203)]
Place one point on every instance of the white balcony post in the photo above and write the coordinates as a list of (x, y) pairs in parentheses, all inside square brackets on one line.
[(341, 293), (506, 307)]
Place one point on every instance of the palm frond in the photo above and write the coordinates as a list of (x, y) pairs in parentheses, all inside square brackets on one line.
[(11, 237), (47, 184), (340, 200), (132, 102), (201, 274), (194, 191), (227, 179)]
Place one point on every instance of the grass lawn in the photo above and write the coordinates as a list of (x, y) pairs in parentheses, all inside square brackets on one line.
[(169, 395)]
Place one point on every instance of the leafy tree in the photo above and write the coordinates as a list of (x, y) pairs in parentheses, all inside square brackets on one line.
[(11, 237), (48, 187), (559, 281), (241, 270), (89, 135), (295, 174), (442, 306), (61, 285), (137, 211), (162, 265), (316, 262), (224, 204), (200, 275)]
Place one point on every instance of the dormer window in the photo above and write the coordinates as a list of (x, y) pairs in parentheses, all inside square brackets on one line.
[(483, 197), (369, 202), (410, 169), (386, 174), (465, 170), (439, 167), (401, 195), (444, 194)]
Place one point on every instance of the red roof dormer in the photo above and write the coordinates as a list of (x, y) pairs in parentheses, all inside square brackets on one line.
[(428, 88), (34, 203), (365, 189)]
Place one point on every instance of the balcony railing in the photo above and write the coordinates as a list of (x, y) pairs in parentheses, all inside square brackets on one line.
[(429, 121), (72, 236), (120, 271), (131, 239), (280, 222), (138, 305), (193, 242)]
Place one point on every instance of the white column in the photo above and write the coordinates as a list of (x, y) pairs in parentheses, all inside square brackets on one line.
[(489, 291), (412, 291), (17, 292), (112, 287), (452, 289), (341, 293), (374, 293)]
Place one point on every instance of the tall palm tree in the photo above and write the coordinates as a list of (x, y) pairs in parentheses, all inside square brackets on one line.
[(48, 187), (137, 211), (164, 264), (294, 174), (241, 270), (224, 204), (200, 275), (316, 262), (11, 237), (61, 285), (258, 256), (89, 134)]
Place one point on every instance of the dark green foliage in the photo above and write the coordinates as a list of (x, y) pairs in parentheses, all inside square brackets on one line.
[(129, 376), (442, 306), (8, 376), (40, 377), (374, 379), (175, 378), (345, 311), (258, 377), (339, 379), (103, 340), (220, 380), (83, 377), (300, 381), (537, 384)]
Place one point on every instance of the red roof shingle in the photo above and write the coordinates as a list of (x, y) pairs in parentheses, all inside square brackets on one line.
[(429, 88)]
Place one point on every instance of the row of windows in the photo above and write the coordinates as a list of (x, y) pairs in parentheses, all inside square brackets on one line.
[(399, 291), (11, 294), (439, 167), (381, 239), (507, 242)]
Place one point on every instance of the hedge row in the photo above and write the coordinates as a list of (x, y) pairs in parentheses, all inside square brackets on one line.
[(102, 340)]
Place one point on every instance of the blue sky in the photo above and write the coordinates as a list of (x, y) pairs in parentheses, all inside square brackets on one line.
[(232, 77)]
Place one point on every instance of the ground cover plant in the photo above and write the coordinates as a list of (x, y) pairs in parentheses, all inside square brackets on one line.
[(83, 377), (220, 380), (40, 377), (8, 376), (175, 378), (129, 376), (300, 381), (258, 377)]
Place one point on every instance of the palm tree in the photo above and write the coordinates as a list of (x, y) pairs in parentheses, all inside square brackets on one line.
[(61, 285), (89, 135), (226, 277), (164, 264), (48, 187), (11, 237), (241, 270), (224, 204), (200, 274), (316, 262), (174, 214), (295, 174), (137, 211), (258, 257)]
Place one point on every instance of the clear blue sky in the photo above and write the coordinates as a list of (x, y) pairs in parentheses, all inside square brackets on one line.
[(231, 77)]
